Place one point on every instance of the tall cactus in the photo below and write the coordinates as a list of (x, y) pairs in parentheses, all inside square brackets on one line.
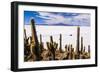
[(78, 43), (60, 48), (26, 47), (41, 44), (36, 49), (81, 44), (52, 46)]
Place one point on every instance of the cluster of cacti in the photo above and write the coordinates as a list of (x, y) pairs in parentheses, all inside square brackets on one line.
[(52, 46), (36, 51)]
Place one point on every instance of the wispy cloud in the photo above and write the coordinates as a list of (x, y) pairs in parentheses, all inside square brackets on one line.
[(81, 19), (53, 18), (57, 18)]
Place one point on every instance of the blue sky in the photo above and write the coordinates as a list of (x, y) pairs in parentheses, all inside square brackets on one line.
[(57, 18)]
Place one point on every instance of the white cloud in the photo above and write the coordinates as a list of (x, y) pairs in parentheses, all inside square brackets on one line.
[(83, 16), (53, 18), (46, 15), (81, 19)]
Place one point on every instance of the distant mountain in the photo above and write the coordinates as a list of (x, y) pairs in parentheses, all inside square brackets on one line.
[(59, 24)]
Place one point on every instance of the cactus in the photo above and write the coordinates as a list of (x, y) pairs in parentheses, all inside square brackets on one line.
[(81, 44), (41, 44), (52, 46), (35, 40), (78, 42), (60, 48)]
